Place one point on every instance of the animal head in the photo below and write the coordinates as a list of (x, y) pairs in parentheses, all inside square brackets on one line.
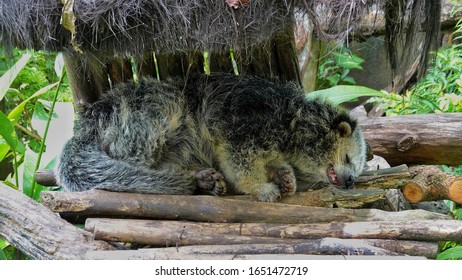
[(340, 155), (348, 156)]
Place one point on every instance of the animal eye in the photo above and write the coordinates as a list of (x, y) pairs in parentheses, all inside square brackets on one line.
[(347, 159)]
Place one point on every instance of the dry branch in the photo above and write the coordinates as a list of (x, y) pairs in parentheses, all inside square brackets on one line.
[(411, 248), (211, 209), (387, 178), (326, 197), (431, 183), (40, 233), (156, 254), (416, 139), (45, 177), (308, 248), (191, 233)]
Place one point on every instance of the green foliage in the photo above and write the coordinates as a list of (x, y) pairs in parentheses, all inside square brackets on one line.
[(439, 91), (29, 78), (340, 94), (334, 68), (454, 253)]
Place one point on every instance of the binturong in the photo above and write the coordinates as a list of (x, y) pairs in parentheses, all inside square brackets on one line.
[(216, 134)]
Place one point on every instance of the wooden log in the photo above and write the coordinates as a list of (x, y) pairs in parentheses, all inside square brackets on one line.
[(388, 178), (40, 233), (431, 183), (416, 139), (161, 232), (155, 254), (326, 197), (410, 248), (45, 177), (211, 209), (325, 246)]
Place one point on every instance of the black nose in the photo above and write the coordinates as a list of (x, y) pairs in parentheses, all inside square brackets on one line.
[(349, 182)]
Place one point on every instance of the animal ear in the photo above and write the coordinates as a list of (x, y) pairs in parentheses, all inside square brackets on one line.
[(344, 129)]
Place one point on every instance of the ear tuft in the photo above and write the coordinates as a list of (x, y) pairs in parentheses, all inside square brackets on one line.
[(344, 129)]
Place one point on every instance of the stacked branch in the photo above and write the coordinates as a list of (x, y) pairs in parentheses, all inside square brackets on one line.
[(154, 232), (40, 233), (307, 249), (431, 183), (415, 139), (211, 209), (423, 183)]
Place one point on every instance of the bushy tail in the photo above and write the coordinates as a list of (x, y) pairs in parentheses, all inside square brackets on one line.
[(83, 167)]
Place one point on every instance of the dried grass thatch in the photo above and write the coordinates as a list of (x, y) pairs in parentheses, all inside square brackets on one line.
[(133, 26)]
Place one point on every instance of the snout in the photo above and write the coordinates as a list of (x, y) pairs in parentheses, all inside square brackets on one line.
[(343, 178), (349, 182)]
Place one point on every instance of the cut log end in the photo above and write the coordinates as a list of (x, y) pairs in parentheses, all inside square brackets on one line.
[(413, 192), (455, 191)]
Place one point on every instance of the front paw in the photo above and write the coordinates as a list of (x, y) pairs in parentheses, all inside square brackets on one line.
[(284, 178), (268, 193), (211, 181)]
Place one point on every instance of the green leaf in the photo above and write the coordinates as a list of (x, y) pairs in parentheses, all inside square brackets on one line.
[(4, 148), (39, 112), (30, 160), (349, 80), (2, 255), (42, 111), (34, 145), (340, 94), (3, 243), (8, 77), (16, 112), (8, 133), (452, 253), (9, 184), (348, 61), (458, 214)]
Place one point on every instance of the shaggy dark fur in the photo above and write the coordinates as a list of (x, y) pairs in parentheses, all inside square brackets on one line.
[(167, 138)]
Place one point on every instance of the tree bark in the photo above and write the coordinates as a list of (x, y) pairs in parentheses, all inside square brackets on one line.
[(45, 177), (210, 209), (305, 249), (416, 139), (430, 183), (40, 233), (326, 197), (189, 233), (87, 77), (410, 248)]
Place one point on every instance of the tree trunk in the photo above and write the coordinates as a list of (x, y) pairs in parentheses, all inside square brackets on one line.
[(210, 209), (416, 139), (40, 233), (431, 183)]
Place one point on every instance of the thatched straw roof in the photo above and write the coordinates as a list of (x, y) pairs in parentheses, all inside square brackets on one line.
[(134, 26)]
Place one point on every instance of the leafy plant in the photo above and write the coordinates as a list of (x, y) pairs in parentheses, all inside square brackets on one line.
[(335, 67), (340, 94), (26, 107)]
